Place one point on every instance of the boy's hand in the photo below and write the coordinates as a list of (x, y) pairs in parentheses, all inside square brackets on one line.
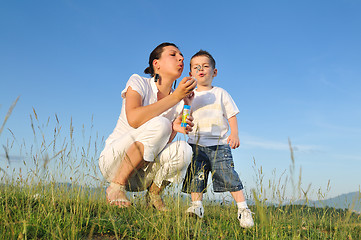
[(177, 125), (233, 141), (188, 99)]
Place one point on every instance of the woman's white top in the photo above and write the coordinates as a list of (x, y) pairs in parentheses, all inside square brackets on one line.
[(148, 90)]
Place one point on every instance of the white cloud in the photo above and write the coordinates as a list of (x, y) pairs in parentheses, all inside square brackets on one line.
[(347, 157), (251, 142), (266, 145), (339, 127)]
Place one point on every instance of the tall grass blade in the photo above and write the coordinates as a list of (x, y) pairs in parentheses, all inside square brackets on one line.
[(9, 113)]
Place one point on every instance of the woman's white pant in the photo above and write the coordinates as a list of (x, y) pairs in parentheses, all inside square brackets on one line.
[(166, 162)]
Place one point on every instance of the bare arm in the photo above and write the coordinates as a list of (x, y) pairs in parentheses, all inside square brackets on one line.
[(138, 114), (233, 139)]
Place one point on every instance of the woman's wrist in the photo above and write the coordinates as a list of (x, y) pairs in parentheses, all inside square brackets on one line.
[(176, 96)]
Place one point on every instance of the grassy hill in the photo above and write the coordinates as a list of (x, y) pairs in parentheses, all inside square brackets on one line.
[(350, 201), (63, 212), (33, 207)]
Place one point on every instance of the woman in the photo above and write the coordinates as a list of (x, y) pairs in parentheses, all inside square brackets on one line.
[(140, 154)]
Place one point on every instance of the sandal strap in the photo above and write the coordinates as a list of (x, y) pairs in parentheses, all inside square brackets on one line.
[(118, 186), (114, 187), (155, 197), (119, 200), (157, 202)]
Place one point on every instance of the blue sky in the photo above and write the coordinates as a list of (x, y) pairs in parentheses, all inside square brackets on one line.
[(292, 67)]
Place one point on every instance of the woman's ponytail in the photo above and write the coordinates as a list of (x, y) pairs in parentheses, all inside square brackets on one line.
[(155, 54)]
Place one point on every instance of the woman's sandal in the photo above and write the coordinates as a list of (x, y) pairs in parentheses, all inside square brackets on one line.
[(120, 202), (156, 201)]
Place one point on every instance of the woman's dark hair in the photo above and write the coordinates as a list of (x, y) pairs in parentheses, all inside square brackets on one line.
[(155, 54)]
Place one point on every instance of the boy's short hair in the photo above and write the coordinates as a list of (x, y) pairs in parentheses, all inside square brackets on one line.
[(207, 54)]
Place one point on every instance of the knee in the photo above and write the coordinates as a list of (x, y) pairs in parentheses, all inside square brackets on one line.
[(161, 126), (186, 152)]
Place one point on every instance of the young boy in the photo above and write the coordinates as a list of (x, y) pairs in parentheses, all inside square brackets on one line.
[(212, 110)]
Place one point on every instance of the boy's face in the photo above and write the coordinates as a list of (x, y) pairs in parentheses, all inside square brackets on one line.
[(202, 70)]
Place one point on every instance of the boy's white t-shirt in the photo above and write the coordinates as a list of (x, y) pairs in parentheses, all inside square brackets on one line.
[(148, 91), (211, 110)]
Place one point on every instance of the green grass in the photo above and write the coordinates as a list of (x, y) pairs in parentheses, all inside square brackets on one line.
[(60, 212), (33, 205)]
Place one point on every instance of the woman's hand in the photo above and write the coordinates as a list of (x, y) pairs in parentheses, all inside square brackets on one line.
[(185, 87), (177, 125)]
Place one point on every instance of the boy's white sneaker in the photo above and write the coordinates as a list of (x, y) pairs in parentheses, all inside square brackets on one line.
[(196, 211), (245, 217)]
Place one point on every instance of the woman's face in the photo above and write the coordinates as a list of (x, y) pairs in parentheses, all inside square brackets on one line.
[(170, 64)]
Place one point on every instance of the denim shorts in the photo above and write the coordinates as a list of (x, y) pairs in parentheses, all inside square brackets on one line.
[(216, 160)]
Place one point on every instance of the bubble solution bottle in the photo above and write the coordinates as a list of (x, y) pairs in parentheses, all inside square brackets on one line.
[(187, 108), (186, 112)]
